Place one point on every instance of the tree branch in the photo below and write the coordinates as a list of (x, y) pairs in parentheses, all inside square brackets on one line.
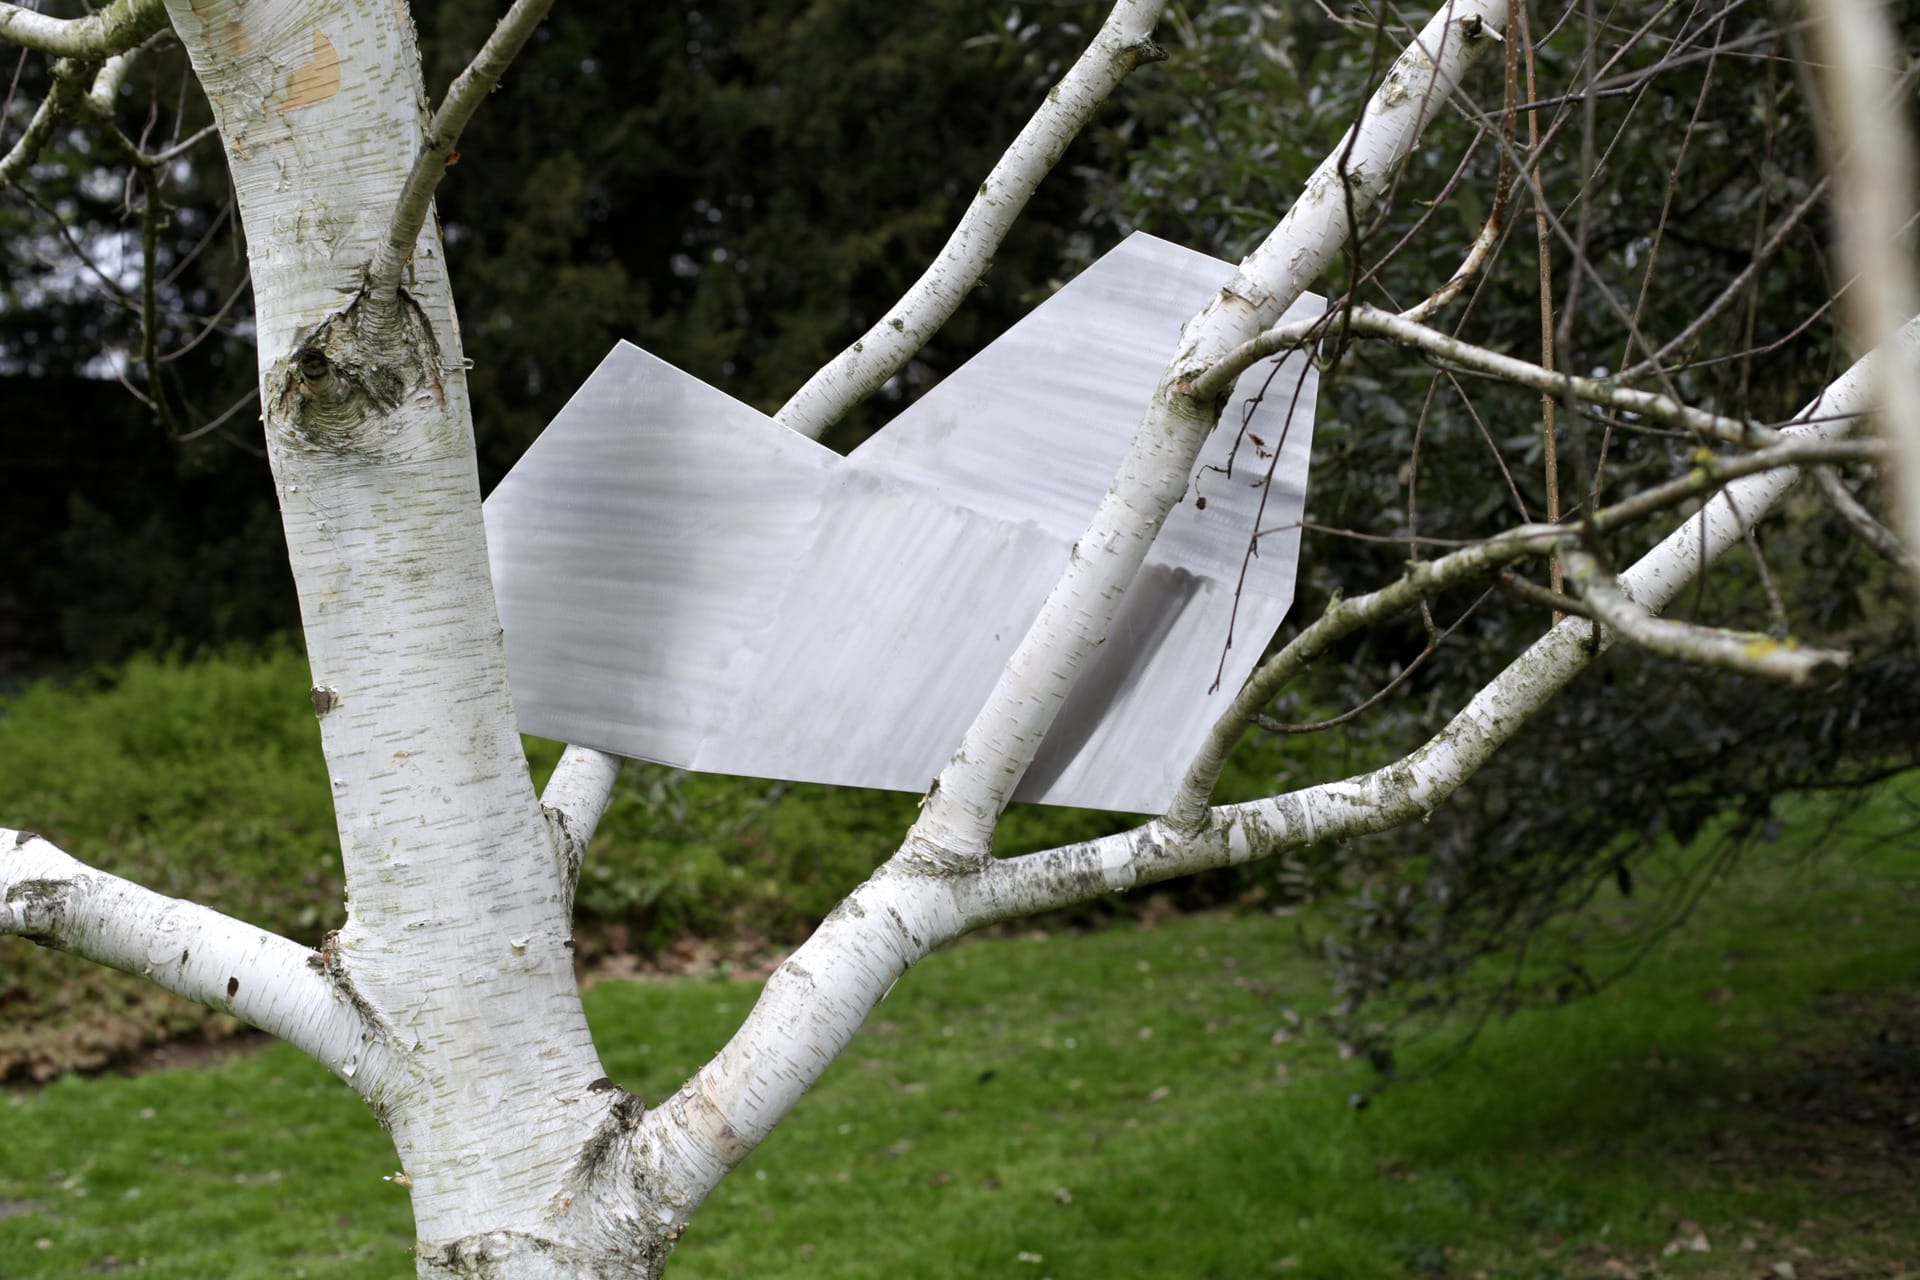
[(956, 824), (576, 798), (65, 97), (114, 29), (463, 98), (1372, 321), (1413, 785), (807, 1013), (1747, 652), (1860, 520), (1121, 45), (193, 951), (1427, 578)]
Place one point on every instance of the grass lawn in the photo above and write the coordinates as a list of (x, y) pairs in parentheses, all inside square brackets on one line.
[(1149, 1101)]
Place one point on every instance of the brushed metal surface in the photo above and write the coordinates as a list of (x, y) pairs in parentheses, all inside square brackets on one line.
[(683, 580)]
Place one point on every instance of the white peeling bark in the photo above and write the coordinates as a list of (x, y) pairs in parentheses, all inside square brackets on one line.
[(193, 951), (1122, 44), (809, 1011), (575, 800), (957, 821), (456, 944), (1415, 784), (114, 29)]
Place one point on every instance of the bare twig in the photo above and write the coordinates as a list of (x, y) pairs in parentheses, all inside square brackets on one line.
[(180, 148), (1464, 355), (212, 324), (1474, 563), (1678, 344), (1549, 437), (250, 397), (1861, 521), (1747, 652), (463, 98), (78, 249), (114, 29), (1272, 725), (63, 100), (1533, 593), (1121, 45)]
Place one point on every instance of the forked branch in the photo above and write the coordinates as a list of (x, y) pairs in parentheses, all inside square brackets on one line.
[(193, 951), (956, 824), (1747, 652), (1426, 579), (114, 29), (463, 98), (1413, 785)]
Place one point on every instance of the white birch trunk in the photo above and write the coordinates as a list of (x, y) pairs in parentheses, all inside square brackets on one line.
[(456, 948)]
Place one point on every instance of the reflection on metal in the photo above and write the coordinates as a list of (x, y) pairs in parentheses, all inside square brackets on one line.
[(683, 580)]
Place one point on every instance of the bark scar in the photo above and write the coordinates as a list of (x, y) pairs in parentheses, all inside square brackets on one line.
[(316, 79), (359, 378), (40, 909)]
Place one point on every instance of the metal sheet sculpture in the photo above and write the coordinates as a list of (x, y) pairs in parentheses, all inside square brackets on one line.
[(683, 580)]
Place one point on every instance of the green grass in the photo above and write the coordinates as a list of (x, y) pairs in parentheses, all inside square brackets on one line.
[(1118, 1104), (204, 780)]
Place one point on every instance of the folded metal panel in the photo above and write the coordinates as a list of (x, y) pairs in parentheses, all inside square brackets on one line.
[(683, 580)]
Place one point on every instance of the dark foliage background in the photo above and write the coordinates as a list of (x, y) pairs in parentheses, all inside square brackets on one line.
[(740, 188), (1702, 139)]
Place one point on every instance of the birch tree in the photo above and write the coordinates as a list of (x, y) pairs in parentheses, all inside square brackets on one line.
[(446, 998)]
